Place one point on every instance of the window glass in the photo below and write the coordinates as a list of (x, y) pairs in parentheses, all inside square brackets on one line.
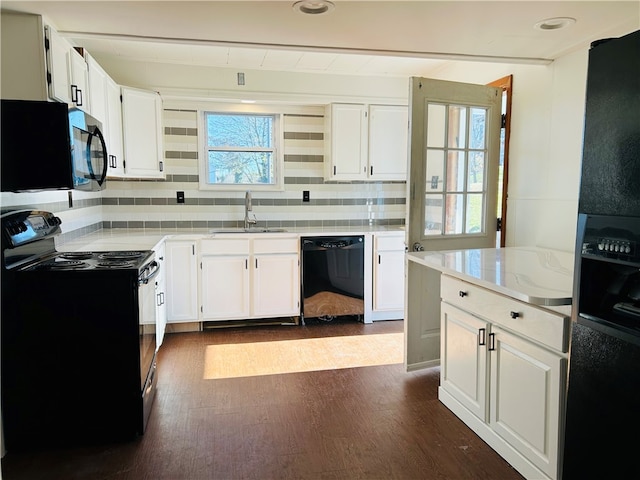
[(241, 149)]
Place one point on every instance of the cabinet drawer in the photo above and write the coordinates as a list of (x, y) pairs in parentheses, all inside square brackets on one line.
[(276, 244), (389, 242), (543, 326), (223, 246)]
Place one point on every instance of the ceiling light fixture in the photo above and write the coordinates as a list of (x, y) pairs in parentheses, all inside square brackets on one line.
[(555, 23), (313, 7)]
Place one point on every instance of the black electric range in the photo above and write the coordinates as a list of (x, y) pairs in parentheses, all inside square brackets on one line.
[(78, 338)]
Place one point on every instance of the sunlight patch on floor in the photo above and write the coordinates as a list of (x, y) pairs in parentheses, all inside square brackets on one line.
[(302, 355)]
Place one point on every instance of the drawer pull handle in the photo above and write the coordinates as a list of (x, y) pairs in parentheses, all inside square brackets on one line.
[(514, 314), (462, 293), (492, 342), (482, 336)]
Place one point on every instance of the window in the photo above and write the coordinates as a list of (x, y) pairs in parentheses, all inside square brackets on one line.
[(455, 170), (241, 150)]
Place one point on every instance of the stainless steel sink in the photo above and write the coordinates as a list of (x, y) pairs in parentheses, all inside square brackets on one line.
[(247, 230)]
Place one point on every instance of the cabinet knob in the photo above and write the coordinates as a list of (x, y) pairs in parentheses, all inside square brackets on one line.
[(462, 293), (514, 314)]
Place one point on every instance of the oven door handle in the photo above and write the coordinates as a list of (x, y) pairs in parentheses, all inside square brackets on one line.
[(153, 268)]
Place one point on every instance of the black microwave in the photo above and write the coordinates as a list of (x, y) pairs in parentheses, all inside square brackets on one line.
[(47, 146)]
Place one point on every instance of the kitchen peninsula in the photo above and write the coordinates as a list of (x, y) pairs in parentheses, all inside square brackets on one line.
[(501, 320)]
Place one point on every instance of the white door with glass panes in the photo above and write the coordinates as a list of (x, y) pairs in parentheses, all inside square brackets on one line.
[(452, 192)]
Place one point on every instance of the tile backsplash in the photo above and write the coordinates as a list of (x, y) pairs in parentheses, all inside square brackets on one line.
[(152, 204)]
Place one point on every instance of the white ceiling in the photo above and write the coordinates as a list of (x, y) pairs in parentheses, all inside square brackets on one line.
[(398, 38)]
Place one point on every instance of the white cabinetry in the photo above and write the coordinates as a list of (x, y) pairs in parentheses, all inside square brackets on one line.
[(97, 92), (388, 272), (276, 277), (161, 289), (366, 142), (39, 64), (107, 107), (181, 281), (503, 368), (142, 127), (24, 64), (249, 277), (58, 66), (79, 80), (113, 127), (224, 278)]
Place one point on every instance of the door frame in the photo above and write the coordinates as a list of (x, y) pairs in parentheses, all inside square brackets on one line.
[(506, 84)]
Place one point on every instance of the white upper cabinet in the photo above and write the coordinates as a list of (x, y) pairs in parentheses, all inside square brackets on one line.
[(113, 129), (347, 143), (142, 127), (366, 142), (79, 81), (24, 68), (97, 88), (388, 139), (58, 66)]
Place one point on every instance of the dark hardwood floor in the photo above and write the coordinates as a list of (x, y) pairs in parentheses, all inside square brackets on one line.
[(361, 423)]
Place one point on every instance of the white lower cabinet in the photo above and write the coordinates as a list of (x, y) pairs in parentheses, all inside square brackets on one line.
[(181, 281), (249, 277), (506, 386), (276, 285), (388, 272), (161, 293), (224, 280)]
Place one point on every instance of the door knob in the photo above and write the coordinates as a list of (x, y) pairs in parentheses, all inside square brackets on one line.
[(417, 247)]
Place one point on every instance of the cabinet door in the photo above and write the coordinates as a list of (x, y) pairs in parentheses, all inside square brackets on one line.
[(388, 279), (161, 296), (225, 287), (348, 142), (142, 126), (276, 285), (525, 398), (181, 281), (58, 66), (464, 358), (388, 139), (97, 93), (79, 81), (114, 129)]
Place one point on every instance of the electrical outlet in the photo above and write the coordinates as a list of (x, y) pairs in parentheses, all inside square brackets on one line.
[(305, 195), (180, 197)]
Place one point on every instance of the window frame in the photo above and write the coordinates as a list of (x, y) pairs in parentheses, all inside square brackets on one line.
[(278, 146)]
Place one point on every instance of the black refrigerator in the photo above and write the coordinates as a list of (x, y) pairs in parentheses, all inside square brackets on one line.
[(603, 393)]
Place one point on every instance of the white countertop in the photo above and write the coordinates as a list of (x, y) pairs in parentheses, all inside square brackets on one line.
[(533, 275), (147, 239)]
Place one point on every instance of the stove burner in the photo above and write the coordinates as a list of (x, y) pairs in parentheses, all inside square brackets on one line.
[(63, 265), (120, 255), (76, 255), (115, 264)]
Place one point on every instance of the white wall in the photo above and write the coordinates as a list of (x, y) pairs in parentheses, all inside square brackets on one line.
[(546, 139)]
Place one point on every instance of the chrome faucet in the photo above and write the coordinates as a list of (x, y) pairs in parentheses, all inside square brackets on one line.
[(247, 208)]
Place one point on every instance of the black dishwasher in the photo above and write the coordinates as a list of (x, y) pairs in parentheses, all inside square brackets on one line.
[(332, 277)]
